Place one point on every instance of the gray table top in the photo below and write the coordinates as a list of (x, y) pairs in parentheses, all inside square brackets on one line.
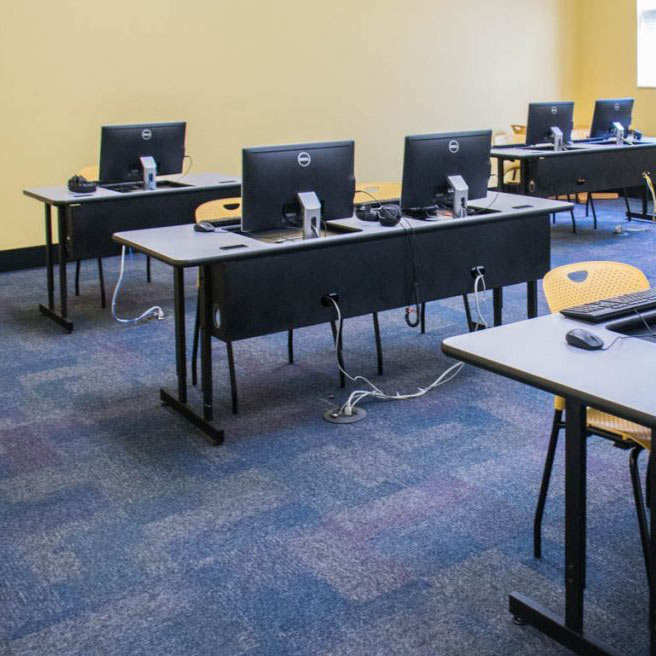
[(183, 246), (60, 195), (519, 151), (534, 351)]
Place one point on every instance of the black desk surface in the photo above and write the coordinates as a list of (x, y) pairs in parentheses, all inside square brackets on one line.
[(182, 246), (519, 151), (60, 195), (619, 381)]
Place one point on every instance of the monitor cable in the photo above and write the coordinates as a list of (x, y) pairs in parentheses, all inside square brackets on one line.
[(154, 312), (348, 408)]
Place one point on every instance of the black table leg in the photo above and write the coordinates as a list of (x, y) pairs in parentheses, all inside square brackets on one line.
[(570, 632), (500, 174), (651, 492), (497, 303), (532, 299), (523, 168), (50, 311), (179, 403), (180, 333), (63, 291), (575, 520), (206, 341), (49, 266)]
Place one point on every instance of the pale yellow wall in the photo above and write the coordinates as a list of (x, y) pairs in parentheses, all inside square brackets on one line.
[(606, 60), (251, 72)]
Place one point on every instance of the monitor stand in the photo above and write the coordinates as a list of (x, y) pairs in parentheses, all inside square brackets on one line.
[(558, 139), (460, 190), (149, 172), (618, 129), (311, 214)]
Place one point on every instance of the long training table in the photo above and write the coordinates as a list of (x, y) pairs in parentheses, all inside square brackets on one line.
[(582, 167), (619, 381), (86, 222), (250, 287)]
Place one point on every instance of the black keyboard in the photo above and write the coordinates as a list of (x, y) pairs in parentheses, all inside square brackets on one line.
[(610, 308), (124, 187)]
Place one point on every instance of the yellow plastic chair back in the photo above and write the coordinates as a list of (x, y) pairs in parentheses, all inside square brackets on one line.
[(586, 282), (90, 172), (383, 192), (222, 209), (518, 129)]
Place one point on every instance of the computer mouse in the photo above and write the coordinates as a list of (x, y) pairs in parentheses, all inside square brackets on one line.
[(584, 339), (203, 226)]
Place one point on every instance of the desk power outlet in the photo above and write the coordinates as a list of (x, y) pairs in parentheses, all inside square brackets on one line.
[(325, 299)]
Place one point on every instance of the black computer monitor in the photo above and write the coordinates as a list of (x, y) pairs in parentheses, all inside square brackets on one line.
[(608, 111), (546, 115), (430, 160), (122, 146), (273, 176)]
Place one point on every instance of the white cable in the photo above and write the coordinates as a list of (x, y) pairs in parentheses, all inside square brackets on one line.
[(155, 311), (375, 392)]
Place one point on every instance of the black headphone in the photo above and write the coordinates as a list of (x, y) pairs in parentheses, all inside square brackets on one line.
[(78, 184), (386, 215)]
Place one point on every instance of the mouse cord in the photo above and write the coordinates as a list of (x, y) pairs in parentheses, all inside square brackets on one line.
[(649, 333)]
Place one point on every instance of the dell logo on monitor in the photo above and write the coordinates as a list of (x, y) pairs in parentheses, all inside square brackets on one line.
[(303, 159), (554, 110), (146, 134), (454, 146)]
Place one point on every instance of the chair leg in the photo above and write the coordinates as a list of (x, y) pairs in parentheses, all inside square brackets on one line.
[(639, 503), (587, 203), (594, 211), (101, 278), (553, 218), (422, 318), (148, 278), (77, 277), (290, 346), (233, 378), (194, 348), (379, 347), (626, 202), (544, 486), (573, 220)]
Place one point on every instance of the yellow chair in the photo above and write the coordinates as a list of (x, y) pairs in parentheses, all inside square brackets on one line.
[(377, 192), (510, 169), (576, 284), (223, 209)]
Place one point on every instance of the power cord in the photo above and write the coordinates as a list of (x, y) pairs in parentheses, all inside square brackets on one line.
[(186, 173), (153, 312), (647, 176), (376, 392)]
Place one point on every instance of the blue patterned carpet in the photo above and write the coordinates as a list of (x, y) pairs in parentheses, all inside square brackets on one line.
[(123, 532)]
